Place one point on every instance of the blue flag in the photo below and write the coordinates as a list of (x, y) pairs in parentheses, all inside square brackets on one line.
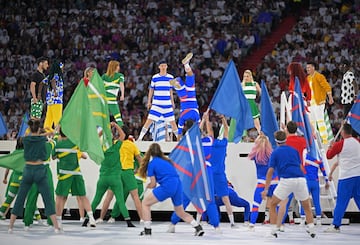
[(354, 115), (269, 125), (229, 100), (189, 162), (3, 127), (24, 125), (302, 120)]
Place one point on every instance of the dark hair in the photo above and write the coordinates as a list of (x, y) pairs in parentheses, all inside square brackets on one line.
[(62, 133), (126, 131), (188, 124), (153, 151), (291, 127), (55, 69), (19, 143), (34, 125), (312, 63), (280, 136), (347, 129), (41, 59)]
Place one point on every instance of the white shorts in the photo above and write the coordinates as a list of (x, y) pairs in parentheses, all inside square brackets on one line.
[(317, 113), (161, 113), (287, 186)]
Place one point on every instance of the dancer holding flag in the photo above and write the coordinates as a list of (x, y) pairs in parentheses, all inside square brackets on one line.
[(161, 170)]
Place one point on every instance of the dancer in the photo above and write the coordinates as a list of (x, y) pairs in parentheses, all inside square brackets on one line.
[(286, 161), (348, 151), (294, 70), (160, 100), (54, 95), (187, 94), (70, 177), (217, 161), (110, 173), (34, 172), (207, 142), (113, 81), (260, 154), (161, 171), (251, 89)]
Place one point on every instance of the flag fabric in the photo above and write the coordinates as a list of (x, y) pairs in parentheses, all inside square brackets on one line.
[(299, 115), (328, 126), (189, 162), (269, 124), (3, 127), (24, 125), (229, 100), (159, 129), (85, 114), (354, 115), (15, 160)]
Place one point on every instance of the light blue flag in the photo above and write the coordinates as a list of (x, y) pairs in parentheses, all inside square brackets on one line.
[(354, 115), (229, 100), (3, 127), (24, 125), (269, 124)]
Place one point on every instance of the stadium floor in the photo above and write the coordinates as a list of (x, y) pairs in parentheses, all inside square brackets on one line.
[(118, 233)]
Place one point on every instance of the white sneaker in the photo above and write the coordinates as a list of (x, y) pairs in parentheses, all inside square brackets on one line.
[(318, 221), (311, 230), (187, 58), (218, 230), (246, 223), (171, 228), (10, 231), (234, 226), (251, 227), (282, 228), (274, 232), (332, 229), (92, 223), (111, 220), (26, 228), (82, 219), (99, 221)]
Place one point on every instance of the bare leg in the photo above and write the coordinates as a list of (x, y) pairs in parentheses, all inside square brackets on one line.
[(135, 196), (81, 208), (106, 204)]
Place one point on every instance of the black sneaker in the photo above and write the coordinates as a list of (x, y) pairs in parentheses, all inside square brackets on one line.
[(199, 230), (145, 232), (129, 223), (85, 223)]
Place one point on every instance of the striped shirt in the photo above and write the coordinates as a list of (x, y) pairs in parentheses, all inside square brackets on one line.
[(187, 94), (250, 90), (162, 88)]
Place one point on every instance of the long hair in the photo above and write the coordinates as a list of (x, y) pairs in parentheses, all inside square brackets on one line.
[(153, 151), (55, 69), (112, 68), (295, 69), (262, 150), (34, 125), (249, 73)]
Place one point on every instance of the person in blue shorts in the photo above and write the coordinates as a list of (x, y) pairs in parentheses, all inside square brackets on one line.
[(161, 171)]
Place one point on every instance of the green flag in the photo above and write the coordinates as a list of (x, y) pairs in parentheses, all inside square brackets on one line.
[(86, 113), (15, 160)]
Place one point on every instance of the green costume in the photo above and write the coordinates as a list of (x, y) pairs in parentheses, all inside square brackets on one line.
[(110, 178), (11, 191), (31, 203), (112, 86)]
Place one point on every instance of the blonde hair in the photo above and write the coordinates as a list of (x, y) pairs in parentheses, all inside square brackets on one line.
[(262, 150), (87, 71), (112, 68), (153, 151), (250, 73)]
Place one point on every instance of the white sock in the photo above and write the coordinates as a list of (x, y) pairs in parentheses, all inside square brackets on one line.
[(143, 132), (194, 223), (187, 67), (91, 215), (198, 217), (267, 214), (231, 218), (147, 224)]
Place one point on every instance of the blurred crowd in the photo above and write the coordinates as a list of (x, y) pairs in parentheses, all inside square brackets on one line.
[(140, 33)]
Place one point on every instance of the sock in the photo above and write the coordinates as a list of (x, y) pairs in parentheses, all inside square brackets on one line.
[(198, 217), (175, 133), (91, 216), (231, 218), (143, 132), (291, 215), (187, 67), (147, 224), (194, 223)]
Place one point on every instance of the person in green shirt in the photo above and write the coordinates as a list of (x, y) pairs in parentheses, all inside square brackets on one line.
[(70, 179), (113, 81)]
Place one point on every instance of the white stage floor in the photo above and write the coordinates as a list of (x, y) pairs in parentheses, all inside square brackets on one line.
[(118, 233)]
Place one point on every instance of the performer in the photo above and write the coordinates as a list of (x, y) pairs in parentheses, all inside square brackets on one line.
[(260, 154), (70, 177), (161, 171), (294, 70), (110, 173), (113, 81), (348, 151), (187, 94), (34, 172), (160, 100), (286, 161), (54, 95)]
